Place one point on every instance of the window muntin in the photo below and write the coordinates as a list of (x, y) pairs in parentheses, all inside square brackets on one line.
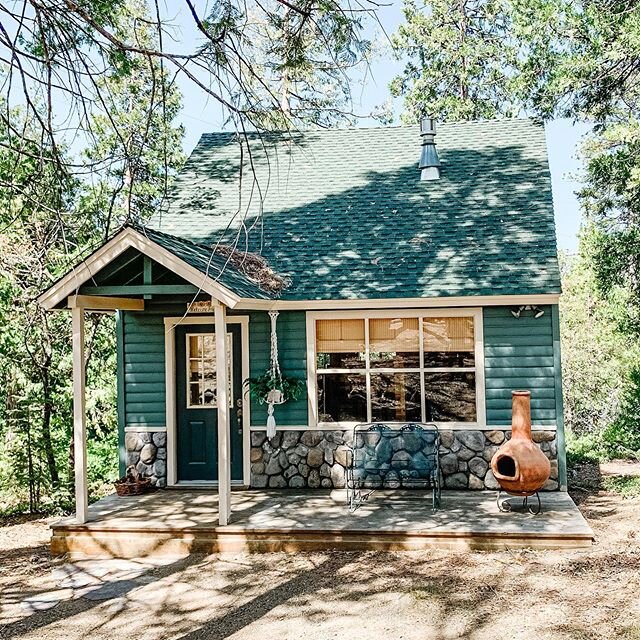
[(397, 369), (201, 370)]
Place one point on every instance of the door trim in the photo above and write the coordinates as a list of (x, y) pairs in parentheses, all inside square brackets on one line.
[(170, 323)]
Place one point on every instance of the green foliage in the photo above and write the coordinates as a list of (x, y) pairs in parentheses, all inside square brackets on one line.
[(627, 486), (461, 60), (601, 367), (292, 388)]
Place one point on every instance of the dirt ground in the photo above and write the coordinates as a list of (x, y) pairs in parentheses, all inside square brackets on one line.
[(440, 595)]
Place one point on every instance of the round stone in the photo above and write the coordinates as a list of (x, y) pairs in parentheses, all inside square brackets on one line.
[(290, 472), (340, 456), (325, 471), (290, 439), (325, 483), (337, 476), (296, 481), (258, 438), (273, 466), (132, 442), (489, 452), (160, 439), (465, 454), (449, 464), (475, 483), (314, 479), (133, 457), (473, 440), (543, 436), (456, 481), (478, 467), (550, 485), (256, 454), (494, 436), (257, 468), (160, 468), (490, 481), (312, 438), (401, 460), (277, 482), (303, 469), (259, 481), (447, 438), (148, 453), (315, 457)]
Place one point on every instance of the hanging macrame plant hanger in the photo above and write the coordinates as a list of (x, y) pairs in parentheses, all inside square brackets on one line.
[(275, 395)]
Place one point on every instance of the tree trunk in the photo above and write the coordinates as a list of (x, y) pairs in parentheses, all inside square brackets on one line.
[(46, 424)]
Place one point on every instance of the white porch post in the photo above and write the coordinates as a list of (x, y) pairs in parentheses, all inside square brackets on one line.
[(222, 395), (79, 418)]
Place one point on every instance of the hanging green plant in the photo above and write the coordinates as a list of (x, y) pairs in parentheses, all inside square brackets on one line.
[(262, 388)]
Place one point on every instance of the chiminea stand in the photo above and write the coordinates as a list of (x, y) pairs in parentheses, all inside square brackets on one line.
[(505, 506)]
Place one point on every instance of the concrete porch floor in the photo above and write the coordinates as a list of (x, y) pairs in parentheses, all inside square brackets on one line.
[(185, 521)]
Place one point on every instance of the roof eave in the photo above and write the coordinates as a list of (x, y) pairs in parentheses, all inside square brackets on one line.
[(127, 238)]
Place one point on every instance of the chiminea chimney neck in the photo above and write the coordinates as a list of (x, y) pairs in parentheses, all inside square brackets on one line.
[(429, 164), (521, 420)]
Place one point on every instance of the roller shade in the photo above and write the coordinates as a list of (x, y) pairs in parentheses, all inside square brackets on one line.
[(340, 336), (389, 335), (448, 334)]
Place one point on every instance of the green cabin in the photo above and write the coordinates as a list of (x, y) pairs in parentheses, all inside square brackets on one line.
[(407, 290)]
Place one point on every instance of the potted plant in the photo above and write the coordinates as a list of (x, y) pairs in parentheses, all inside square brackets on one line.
[(275, 389)]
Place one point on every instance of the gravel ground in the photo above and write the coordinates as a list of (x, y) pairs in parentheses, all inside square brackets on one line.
[(439, 595)]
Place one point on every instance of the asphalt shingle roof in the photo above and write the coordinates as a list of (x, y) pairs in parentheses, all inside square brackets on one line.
[(344, 214), (208, 263)]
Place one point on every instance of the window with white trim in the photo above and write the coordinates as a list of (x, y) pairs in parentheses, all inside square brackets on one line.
[(397, 369)]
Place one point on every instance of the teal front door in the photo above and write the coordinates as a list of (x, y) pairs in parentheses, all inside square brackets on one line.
[(197, 411)]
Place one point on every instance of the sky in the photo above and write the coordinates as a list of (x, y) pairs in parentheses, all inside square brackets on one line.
[(371, 90)]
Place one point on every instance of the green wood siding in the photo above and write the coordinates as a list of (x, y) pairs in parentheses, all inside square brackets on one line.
[(292, 349), (519, 354), (143, 356)]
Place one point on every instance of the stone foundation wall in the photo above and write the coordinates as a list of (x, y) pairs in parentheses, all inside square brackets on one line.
[(147, 451), (317, 459)]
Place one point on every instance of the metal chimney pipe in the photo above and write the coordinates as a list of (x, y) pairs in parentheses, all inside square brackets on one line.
[(429, 164)]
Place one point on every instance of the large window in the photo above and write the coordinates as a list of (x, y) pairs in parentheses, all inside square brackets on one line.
[(397, 369)]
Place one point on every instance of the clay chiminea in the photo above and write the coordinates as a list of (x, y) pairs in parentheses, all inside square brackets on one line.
[(519, 465)]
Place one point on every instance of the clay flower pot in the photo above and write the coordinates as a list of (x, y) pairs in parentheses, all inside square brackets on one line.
[(519, 465)]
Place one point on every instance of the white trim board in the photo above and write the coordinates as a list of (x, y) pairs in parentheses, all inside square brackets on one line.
[(170, 324), (442, 426), (132, 428), (130, 238), (444, 302)]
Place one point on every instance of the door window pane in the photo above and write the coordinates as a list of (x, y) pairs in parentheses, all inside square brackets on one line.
[(342, 397), (340, 344), (450, 397), (395, 397), (394, 343), (448, 342), (201, 370)]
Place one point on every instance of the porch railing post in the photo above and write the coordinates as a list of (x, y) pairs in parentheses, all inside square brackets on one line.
[(79, 417), (222, 395)]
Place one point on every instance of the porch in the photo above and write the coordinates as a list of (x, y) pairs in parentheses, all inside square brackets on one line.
[(186, 521)]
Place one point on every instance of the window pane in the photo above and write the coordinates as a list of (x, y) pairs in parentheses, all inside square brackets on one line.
[(195, 346), (449, 342), (394, 342), (342, 397), (450, 397), (340, 344), (395, 397), (194, 394)]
